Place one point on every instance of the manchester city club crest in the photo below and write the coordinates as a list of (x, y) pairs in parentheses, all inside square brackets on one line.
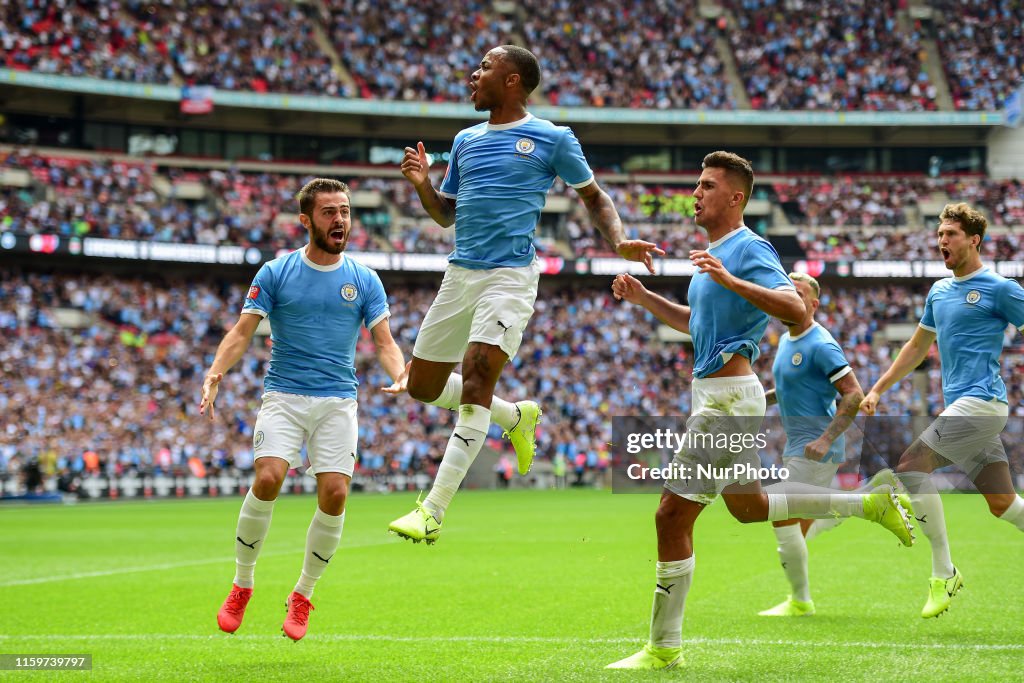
[(349, 292), (798, 358), (973, 296), (525, 145), (257, 440)]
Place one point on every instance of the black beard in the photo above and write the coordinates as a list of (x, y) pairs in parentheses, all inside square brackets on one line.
[(321, 242)]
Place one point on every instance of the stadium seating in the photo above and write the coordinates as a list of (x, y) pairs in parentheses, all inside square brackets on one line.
[(838, 216), (982, 48), (73, 382), (827, 55)]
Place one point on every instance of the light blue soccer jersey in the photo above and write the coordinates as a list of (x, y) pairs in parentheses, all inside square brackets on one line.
[(499, 176), (721, 321), (969, 315), (315, 315), (805, 369)]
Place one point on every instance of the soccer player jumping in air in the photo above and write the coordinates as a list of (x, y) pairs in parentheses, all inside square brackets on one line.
[(498, 177), (968, 315), (317, 299)]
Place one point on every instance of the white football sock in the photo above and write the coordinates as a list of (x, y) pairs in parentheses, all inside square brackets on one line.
[(820, 526), (793, 500), (253, 523), (463, 446), (1015, 513), (504, 414), (793, 555), (930, 519), (670, 589), (322, 541), (451, 395)]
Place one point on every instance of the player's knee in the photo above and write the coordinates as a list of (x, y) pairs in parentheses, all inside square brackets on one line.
[(998, 504), (746, 509), (337, 495), (423, 392), (268, 483), (671, 517)]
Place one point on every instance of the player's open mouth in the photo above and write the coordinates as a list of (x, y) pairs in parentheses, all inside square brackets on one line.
[(338, 234), (945, 254), (697, 209)]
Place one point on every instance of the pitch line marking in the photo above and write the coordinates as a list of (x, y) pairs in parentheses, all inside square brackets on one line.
[(163, 566), (342, 637)]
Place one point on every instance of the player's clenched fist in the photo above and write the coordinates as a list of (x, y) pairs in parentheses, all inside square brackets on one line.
[(415, 164), (210, 387), (870, 403), (627, 288)]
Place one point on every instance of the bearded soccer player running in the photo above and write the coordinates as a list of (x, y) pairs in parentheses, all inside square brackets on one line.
[(316, 299), (968, 315)]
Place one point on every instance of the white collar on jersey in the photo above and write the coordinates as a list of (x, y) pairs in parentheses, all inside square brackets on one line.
[(514, 124), (962, 278), (315, 266), (728, 235), (802, 334)]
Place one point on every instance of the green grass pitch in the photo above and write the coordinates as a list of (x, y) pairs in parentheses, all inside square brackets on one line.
[(523, 585)]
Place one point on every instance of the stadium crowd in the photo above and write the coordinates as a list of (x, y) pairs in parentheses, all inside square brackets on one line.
[(841, 216), (660, 55), (982, 46), (829, 55), (119, 392), (790, 54)]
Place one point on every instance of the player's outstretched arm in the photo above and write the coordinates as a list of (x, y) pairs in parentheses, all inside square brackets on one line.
[(606, 219), (784, 304), (909, 357), (232, 348), (628, 288), (850, 396), (417, 170), (390, 357)]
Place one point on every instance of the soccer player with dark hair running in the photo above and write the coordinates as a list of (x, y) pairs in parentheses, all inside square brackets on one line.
[(738, 286), (810, 369), (316, 299), (968, 315), (498, 176)]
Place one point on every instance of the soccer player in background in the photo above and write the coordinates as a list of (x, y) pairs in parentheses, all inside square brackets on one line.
[(498, 177), (316, 299), (810, 368), (968, 315), (739, 284)]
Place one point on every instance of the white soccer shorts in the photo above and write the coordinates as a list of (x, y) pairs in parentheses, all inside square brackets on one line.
[(814, 472), (489, 306), (967, 433), (730, 406), (328, 424)]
